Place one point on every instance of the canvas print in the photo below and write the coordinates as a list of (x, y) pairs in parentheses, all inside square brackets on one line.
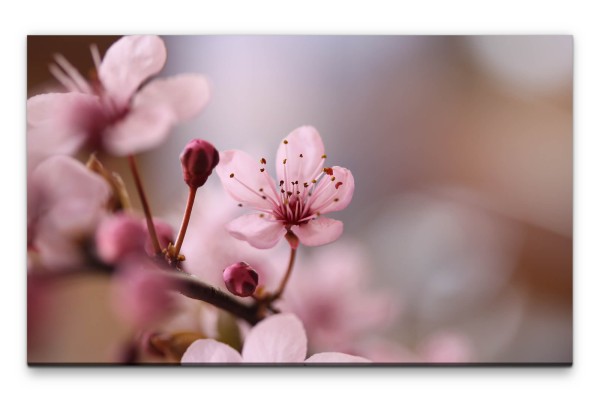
[(299, 200)]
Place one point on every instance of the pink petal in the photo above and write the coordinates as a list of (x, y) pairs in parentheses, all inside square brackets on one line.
[(335, 357), (141, 129), (71, 198), (260, 232), (280, 338), (128, 63), (185, 95), (142, 296), (446, 347), (55, 251), (319, 232), (331, 196), (59, 123), (65, 202), (247, 181), (210, 351), (304, 141)]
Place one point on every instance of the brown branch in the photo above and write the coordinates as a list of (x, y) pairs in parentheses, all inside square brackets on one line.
[(191, 287)]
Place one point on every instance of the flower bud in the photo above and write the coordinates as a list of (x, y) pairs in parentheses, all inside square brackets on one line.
[(240, 279), (198, 159), (118, 236)]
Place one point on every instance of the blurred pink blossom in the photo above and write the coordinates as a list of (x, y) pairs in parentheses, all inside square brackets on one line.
[(115, 111), (306, 192), (329, 291), (438, 347), (123, 235), (278, 339), (142, 295), (64, 204), (119, 236)]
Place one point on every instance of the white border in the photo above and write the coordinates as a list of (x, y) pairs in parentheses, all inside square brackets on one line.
[(312, 17)]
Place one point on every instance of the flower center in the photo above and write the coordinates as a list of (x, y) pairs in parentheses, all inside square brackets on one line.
[(296, 202)]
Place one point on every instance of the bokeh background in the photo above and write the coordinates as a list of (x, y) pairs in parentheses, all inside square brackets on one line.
[(462, 152)]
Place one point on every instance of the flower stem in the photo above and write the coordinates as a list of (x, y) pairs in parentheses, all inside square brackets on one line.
[(185, 221), (288, 273), (147, 213)]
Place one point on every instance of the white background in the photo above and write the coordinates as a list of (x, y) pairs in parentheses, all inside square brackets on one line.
[(308, 17)]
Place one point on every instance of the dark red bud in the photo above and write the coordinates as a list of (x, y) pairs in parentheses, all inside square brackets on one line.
[(198, 160), (240, 279)]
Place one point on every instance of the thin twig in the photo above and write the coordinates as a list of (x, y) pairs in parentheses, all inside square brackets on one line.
[(185, 221), (191, 287), (288, 273), (145, 205)]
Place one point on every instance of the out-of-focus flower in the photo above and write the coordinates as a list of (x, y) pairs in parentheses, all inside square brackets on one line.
[(65, 202), (111, 111), (198, 160), (438, 347), (278, 339), (330, 293), (124, 235), (119, 236), (142, 295), (306, 192), (240, 279)]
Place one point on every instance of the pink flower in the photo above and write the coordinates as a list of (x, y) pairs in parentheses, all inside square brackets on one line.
[(278, 339), (331, 293), (64, 204), (142, 295), (305, 192), (119, 236), (112, 112), (122, 235)]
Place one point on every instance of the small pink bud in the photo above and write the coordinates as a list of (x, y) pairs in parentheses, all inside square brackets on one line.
[(198, 160), (118, 236), (240, 279)]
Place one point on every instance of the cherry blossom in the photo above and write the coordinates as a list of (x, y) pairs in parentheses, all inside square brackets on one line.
[(119, 236), (342, 308), (306, 191), (115, 111), (64, 204), (278, 339), (141, 295)]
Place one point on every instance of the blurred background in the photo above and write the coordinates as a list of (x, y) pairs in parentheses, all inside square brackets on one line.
[(462, 152)]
